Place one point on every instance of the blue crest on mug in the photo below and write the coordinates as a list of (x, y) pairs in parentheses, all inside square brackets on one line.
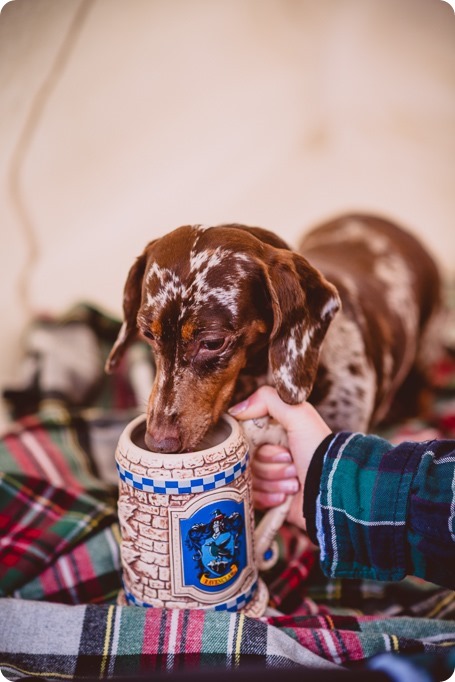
[(213, 540)]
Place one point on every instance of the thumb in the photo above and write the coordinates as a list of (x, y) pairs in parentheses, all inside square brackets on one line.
[(265, 401)]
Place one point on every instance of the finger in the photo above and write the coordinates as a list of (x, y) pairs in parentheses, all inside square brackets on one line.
[(262, 500), (272, 453), (265, 401), (289, 486), (273, 471)]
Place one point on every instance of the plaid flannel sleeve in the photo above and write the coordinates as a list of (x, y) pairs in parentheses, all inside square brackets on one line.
[(383, 512)]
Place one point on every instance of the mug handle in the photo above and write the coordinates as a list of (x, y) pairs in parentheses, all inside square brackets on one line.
[(257, 432)]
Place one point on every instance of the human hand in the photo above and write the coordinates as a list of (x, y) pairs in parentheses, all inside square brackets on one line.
[(278, 472)]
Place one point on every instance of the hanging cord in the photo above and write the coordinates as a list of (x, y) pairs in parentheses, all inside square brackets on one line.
[(22, 146)]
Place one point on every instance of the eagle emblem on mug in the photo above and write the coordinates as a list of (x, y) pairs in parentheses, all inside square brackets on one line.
[(214, 545), (217, 547)]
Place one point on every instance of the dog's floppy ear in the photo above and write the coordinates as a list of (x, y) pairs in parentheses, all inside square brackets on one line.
[(132, 295), (303, 304)]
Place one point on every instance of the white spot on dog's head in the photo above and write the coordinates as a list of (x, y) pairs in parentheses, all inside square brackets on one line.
[(202, 263), (170, 286), (201, 228), (199, 286)]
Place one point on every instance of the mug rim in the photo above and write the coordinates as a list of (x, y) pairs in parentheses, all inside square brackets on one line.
[(127, 432)]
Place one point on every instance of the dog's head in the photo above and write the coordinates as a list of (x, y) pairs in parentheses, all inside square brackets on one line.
[(211, 302)]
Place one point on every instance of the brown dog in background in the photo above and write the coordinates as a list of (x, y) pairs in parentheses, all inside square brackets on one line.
[(229, 308)]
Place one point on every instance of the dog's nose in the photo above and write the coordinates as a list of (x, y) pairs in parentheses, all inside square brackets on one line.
[(167, 444)]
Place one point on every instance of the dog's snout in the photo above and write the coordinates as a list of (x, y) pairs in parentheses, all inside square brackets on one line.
[(165, 443)]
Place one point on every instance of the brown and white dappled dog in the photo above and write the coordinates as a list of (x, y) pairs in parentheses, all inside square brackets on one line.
[(228, 308)]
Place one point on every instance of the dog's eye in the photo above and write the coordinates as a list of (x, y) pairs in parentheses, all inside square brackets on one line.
[(213, 345), (148, 334)]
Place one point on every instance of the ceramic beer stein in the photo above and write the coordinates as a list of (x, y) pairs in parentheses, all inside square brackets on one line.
[(187, 522)]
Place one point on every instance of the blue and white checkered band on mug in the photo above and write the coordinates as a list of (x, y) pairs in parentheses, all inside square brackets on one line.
[(179, 486), (235, 604)]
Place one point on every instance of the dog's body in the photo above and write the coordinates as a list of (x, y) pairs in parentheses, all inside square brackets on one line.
[(229, 308), (390, 292)]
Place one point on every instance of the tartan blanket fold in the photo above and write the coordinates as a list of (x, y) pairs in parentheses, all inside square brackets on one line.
[(60, 567), (110, 641), (40, 522)]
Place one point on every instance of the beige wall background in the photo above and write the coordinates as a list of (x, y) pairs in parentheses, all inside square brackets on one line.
[(122, 119)]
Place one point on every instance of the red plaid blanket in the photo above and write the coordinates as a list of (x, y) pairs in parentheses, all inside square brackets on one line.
[(59, 545)]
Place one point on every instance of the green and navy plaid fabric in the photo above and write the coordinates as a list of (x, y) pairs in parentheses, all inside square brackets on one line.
[(382, 511)]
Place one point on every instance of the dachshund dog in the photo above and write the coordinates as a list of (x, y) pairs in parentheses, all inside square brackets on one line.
[(226, 309)]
